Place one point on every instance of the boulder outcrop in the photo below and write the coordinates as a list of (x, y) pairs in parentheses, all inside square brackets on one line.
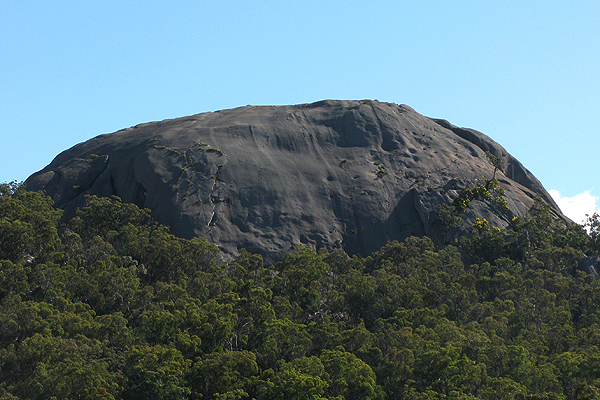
[(268, 179)]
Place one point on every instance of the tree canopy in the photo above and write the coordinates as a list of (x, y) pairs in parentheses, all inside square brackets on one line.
[(111, 305)]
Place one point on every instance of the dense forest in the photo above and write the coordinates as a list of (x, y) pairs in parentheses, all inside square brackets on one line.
[(110, 305)]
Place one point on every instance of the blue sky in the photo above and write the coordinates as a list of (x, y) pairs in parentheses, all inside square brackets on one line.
[(526, 73)]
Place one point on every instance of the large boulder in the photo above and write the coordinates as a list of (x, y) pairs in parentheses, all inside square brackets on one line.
[(268, 179)]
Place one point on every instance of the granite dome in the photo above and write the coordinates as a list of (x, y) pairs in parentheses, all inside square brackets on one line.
[(269, 179)]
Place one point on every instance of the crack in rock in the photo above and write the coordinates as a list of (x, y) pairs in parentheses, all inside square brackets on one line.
[(214, 188)]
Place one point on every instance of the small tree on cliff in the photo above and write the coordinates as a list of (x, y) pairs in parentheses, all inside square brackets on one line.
[(497, 162)]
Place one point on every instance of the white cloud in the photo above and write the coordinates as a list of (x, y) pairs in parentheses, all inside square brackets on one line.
[(578, 206)]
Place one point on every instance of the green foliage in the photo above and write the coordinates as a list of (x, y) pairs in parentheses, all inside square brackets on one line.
[(224, 374), (104, 214), (497, 162), (112, 306), (381, 170), (349, 376), (488, 190), (593, 225), (28, 223), (156, 372), (485, 190)]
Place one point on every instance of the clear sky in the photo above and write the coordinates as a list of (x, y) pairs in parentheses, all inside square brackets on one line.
[(526, 73)]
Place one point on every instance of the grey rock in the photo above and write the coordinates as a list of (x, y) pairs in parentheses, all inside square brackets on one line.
[(589, 265), (269, 179)]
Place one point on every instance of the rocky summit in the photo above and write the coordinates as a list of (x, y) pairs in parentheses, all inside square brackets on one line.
[(350, 174)]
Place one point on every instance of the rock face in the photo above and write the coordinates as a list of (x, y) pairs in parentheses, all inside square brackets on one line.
[(589, 265), (268, 179)]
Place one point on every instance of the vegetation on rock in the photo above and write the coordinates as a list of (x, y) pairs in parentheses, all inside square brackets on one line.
[(110, 305)]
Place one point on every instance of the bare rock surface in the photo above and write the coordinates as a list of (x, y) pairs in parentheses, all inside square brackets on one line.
[(269, 179)]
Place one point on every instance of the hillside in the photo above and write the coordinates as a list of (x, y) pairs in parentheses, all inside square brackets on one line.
[(110, 305), (349, 174)]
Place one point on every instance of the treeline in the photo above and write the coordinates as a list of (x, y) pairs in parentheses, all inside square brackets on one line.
[(110, 305)]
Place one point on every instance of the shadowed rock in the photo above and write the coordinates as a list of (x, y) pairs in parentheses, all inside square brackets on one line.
[(589, 265), (353, 174)]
